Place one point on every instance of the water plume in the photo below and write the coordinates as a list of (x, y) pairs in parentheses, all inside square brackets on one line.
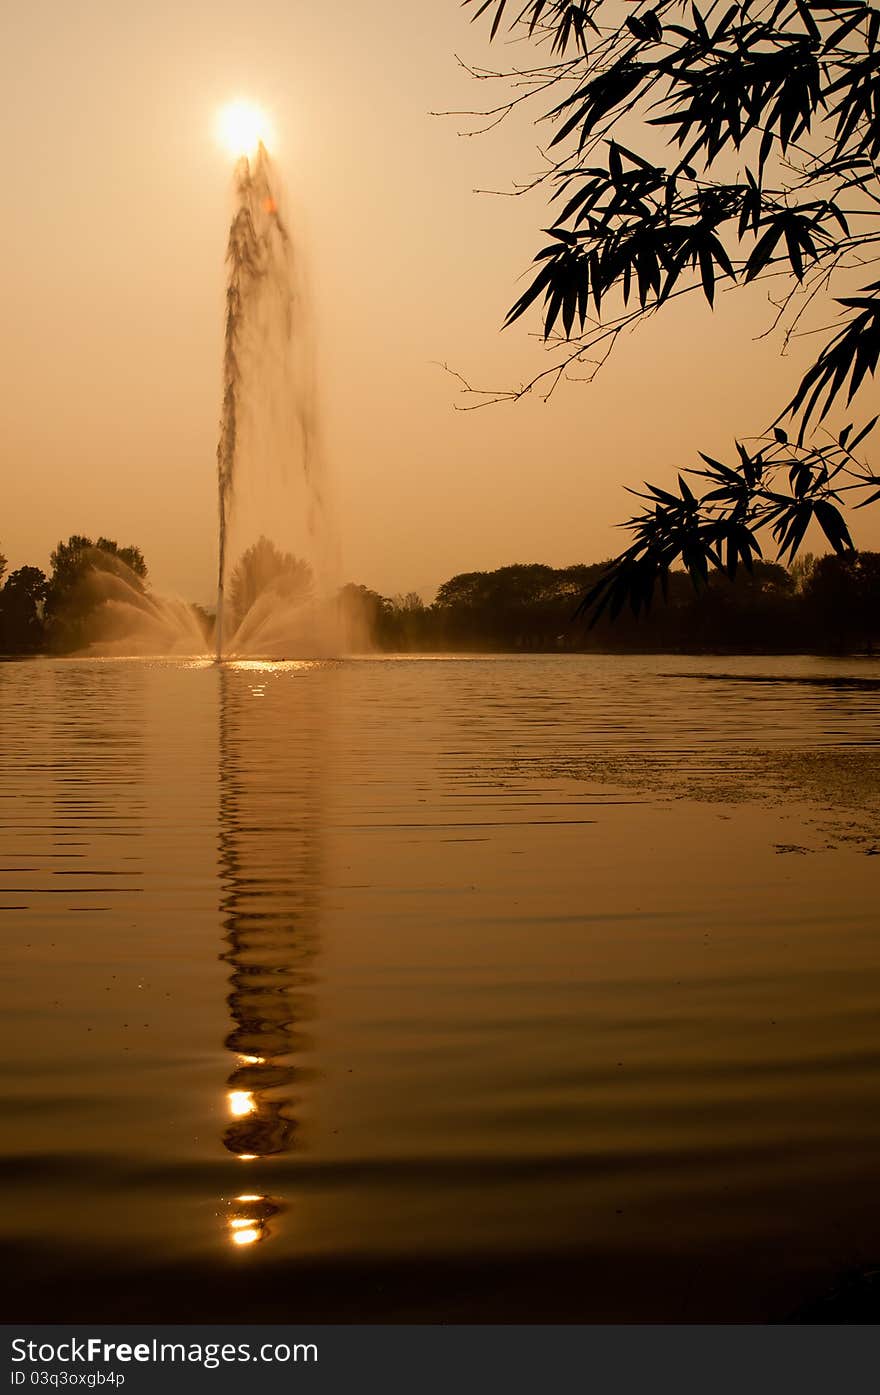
[(271, 486), (109, 610)]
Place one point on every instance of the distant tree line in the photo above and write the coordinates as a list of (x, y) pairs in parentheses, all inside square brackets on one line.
[(829, 604)]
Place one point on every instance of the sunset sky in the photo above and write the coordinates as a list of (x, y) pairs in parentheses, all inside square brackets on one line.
[(117, 198)]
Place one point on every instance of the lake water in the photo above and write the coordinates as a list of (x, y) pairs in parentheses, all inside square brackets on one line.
[(510, 989)]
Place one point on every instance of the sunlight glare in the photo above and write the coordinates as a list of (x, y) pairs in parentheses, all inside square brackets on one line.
[(245, 1237), (241, 1102), (242, 128)]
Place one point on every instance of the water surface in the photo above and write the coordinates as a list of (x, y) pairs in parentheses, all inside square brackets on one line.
[(439, 989)]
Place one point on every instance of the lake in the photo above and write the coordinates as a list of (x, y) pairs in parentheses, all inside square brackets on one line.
[(439, 989)]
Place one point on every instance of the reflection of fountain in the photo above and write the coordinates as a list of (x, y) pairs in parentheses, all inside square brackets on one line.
[(269, 468), (269, 854)]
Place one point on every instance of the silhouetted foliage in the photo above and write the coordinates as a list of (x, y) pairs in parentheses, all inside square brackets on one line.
[(22, 602), (70, 559), (69, 594), (526, 598), (842, 600), (529, 607), (770, 118), (265, 571), (363, 609), (830, 604), (407, 614)]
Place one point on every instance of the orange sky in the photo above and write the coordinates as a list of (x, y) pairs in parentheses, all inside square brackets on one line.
[(117, 198)]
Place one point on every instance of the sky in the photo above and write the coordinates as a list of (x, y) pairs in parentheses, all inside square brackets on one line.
[(116, 200)]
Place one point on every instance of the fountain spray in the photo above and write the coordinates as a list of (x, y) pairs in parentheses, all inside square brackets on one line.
[(246, 255), (270, 477)]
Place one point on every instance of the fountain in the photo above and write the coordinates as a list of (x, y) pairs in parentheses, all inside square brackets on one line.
[(108, 610), (275, 554), (277, 583)]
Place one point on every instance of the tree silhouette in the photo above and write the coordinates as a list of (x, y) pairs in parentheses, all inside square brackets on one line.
[(71, 559), (769, 115), (265, 570), (22, 601), (842, 598), (832, 605), (365, 613), (71, 590)]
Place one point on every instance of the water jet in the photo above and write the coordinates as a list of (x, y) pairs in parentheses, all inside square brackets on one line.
[(274, 573)]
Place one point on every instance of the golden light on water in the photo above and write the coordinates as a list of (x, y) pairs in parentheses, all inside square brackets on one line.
[(241, 1102), (242, 128), (246, 1237), (248, 1220)]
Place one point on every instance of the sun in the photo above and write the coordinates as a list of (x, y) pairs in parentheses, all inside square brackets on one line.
[(242, 128)]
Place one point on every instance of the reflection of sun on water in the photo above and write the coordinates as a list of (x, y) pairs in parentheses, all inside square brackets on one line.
[(249, 1218), (241, 1102), (274, 665), (245, 1237)]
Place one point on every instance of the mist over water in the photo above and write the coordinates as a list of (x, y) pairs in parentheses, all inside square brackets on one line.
[(273, 510)]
